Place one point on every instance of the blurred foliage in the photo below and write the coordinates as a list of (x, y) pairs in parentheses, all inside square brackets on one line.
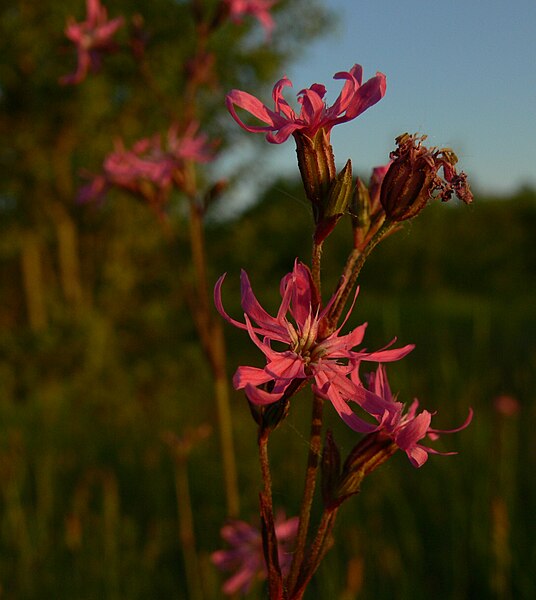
[(87, 396), (99, 357)]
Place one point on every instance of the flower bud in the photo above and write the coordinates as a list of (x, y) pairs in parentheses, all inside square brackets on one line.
[(371, 452), (317, 168), (269, 417), (334, 208), (340, 192)]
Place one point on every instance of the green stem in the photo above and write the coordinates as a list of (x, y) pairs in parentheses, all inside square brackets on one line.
[(352, 269), (186, 529), (319, 547), (308, 491), (212, 339)]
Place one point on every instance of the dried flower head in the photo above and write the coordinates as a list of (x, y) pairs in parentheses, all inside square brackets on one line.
[(412, 178)]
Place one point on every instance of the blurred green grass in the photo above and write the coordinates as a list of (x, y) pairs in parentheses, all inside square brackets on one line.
[(87, 503)]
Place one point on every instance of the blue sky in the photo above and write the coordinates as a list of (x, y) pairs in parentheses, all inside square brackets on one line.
[(461, 71)]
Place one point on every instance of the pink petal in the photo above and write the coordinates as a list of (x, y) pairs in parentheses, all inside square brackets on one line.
[(245, 375), (252, 307), (286, 366), (327, 389), (263, 346), (417, 456), (219, 305), (369, 93), (347, 414), (95, 11), (462, 426), (252, 105), (385, 355), (240, 581), (341, 347), (261, 397), (413, 431), (282, 135), (312, 109), (299, 284), (349, 90), (280, 104)]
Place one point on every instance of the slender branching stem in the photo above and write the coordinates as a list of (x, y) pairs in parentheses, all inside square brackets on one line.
[(352, 269), (265, 467), (211, 334), (308, 491), (186, 529), (319, 547)]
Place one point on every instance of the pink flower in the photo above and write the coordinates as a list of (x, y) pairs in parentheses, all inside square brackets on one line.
[(150, 169), (408, 428), (92, 38), (307, 354), (246, 556), (260, 9), (314, 114), (506, 405)]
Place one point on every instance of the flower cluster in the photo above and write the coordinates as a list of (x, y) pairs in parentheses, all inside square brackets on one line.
[(245, 556), (150, 169), (93, 38), (303, 343), (329, 360)]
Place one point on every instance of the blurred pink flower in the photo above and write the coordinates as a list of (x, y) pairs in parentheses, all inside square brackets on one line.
[(308, 355), (506, 405), (408, 428), (246, 556), (92, 38), (260, 9), (150, 169), (314, 113)]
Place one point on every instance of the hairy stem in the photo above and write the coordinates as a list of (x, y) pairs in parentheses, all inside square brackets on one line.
[(319, 547), (269, 538), (265, 468), (315, 266)]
